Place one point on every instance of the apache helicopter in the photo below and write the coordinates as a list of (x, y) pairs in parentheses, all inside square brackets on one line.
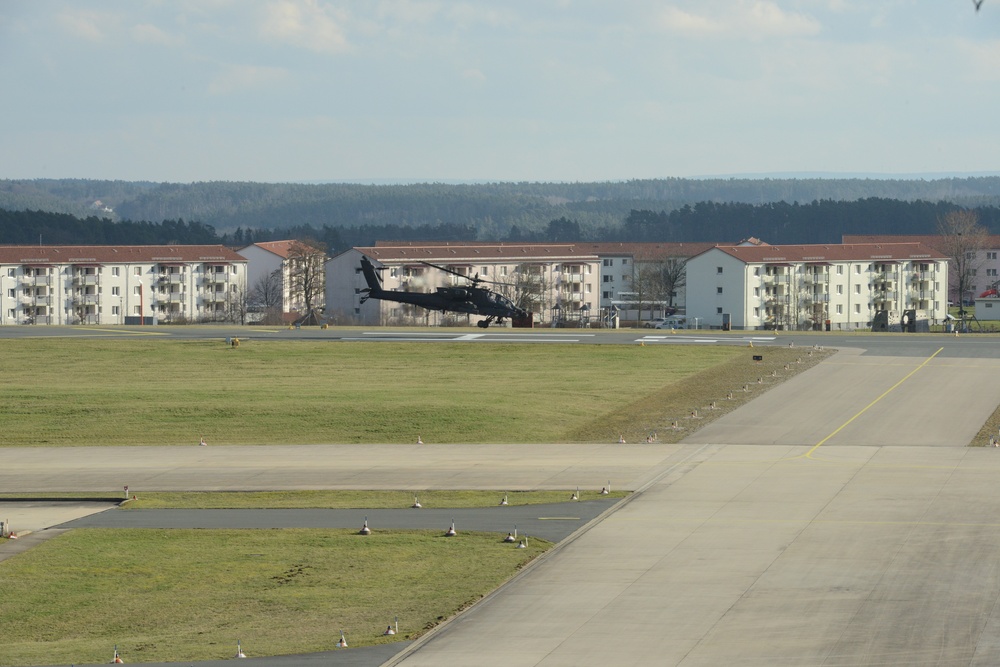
[(472, 299)]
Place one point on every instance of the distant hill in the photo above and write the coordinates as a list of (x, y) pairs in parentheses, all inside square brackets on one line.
[(493, 209)]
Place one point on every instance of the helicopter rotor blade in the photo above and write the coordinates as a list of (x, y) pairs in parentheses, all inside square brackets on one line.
[(475, 280)]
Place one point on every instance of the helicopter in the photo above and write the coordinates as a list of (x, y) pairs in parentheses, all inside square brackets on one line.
[(471, 299)]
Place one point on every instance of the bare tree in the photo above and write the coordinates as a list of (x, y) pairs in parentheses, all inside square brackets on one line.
[(237, 303), (963, 240), (645, 287), (526, 286), (267, 296), (673, 277), (307, 280)]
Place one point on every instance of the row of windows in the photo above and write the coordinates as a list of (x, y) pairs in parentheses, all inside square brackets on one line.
[(116, 270)]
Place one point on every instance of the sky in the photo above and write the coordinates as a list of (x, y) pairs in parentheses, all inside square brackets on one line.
[(511, 90)]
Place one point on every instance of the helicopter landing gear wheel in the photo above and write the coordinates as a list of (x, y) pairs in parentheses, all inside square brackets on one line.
[(482, 324)]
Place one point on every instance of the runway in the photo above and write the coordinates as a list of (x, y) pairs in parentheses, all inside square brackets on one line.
[(836, 520)]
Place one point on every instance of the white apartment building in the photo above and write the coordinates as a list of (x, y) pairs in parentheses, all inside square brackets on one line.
[(621, 265), (807, 286), (984, 264), (278, 258), (566, 277), (118, 284)]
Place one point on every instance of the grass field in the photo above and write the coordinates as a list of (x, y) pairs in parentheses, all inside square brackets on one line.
[(60, 392), (190, 595)]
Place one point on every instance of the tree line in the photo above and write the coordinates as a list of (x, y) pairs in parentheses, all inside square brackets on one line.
[(493, 209), (822, 221)]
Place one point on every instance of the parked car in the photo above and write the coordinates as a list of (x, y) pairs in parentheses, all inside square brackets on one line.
[(672, 322)]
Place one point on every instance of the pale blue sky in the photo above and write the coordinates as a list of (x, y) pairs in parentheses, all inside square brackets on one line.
[(535, 90)]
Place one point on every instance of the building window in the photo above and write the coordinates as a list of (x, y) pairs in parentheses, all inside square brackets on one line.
[(114, 310), (718, 269), (12, 293), (718, 290), (115, 270), (115, 291), (857, 308), (857, 289), (840, 309), (11, 272), (605, 295), (756, 270), (718, 311), (607, 262), (840, 289), (756, 292), (138, 270), (756, 312), (840, 269), (857, 269), (609, 279)]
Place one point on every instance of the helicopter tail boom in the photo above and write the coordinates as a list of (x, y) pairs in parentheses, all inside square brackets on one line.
[(371, 277)]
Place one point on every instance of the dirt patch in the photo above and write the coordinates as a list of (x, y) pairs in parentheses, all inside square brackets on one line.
[(679, 409)]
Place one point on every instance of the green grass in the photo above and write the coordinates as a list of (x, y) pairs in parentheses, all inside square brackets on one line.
[(183, 595), (156, 392), (351, 499)]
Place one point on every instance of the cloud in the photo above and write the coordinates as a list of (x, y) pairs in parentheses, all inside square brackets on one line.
[(747, 18), (306, 24), (88, 25), (242, 78), (146, 33)]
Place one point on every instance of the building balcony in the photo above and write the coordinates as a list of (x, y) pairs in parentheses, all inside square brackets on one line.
[(172, 297), (85, 279)]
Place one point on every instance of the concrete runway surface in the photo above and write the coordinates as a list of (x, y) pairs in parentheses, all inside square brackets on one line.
[(836, 520)]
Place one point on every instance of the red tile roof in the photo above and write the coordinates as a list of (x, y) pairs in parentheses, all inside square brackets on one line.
[(832, 252), (478, 250), (97, 254), (936, 241), (282, 248)]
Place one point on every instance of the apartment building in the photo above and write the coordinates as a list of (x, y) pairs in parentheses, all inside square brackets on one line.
[(556, 282), (294, 266), (983, 264), (624, 267), (812, 286), (118, 284)]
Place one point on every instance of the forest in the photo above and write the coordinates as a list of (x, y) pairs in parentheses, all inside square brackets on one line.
[(342, 215), (776, 223)]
